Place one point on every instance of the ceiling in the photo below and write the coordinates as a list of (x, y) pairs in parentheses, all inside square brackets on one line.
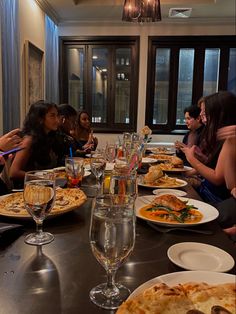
[(65, 11)]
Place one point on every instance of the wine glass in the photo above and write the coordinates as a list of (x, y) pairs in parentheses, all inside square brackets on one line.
[(98, 165), (39, 196), (112, 237)]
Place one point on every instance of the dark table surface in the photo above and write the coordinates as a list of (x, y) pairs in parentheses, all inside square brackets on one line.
[(58, 278)]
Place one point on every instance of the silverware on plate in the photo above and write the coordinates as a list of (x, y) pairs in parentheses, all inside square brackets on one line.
[(170, 229)]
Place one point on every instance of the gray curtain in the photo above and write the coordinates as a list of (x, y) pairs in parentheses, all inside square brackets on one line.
[(9, 18), (52, 60)]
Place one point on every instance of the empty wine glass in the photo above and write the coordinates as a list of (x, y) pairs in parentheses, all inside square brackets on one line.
[(112, 237), (98, 165), (39, 196)]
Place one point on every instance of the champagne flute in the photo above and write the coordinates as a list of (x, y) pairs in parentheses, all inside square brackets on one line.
[(39, 196), (112, 237)]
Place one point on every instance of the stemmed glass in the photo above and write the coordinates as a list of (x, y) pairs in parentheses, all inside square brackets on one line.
[(98, 165), (112, 237), (39, 196)]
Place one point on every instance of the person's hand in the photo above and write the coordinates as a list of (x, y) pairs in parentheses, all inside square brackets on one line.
[(189, 151), (233, 192), (179, 145), (226, 132), (10, 140)]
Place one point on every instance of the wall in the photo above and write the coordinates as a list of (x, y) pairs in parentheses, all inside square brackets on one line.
[(32, 28), (163, 29)]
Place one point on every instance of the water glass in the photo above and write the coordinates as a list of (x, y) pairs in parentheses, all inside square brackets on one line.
[(123, 181), (74, 171), (112, 238), (98, 165), (39, 196)]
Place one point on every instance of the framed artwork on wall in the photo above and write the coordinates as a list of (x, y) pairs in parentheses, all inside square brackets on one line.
[(34, 74)]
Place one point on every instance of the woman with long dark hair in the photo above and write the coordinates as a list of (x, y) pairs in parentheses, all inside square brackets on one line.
[(39, 129), (83, 134), (219, 110)]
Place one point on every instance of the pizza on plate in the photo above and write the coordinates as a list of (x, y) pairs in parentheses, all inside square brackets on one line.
[(188, 298), (66, 199)]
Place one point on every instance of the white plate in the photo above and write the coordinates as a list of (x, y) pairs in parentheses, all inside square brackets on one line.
[(182, 277), (181, 183), (169, 191), (184, 169), (200, 256), (209, 212), (147, 160)]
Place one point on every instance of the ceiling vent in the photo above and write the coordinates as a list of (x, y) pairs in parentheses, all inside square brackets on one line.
[(180, 12)]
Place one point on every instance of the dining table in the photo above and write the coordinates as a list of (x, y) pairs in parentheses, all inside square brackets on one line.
[(57, 277)]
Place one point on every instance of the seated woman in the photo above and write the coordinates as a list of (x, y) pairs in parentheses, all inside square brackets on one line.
[(83, 135), (39, 129), (219, 110), (195, 126), (64, 141)]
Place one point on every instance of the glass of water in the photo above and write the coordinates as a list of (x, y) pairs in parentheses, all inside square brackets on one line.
[(112, 238), (39, 196)]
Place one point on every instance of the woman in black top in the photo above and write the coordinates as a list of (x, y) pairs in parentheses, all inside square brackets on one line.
[(39, 151)]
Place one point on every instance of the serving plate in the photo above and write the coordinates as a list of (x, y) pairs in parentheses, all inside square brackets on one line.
[(209, 212), (57, 210), (180, 184), (200, 256), (182, 277)]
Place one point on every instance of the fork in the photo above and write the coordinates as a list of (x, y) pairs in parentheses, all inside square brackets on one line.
[(166, 230)]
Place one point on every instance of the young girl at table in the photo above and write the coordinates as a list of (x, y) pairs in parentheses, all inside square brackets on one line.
[(219, 110), (39, 150), (83, 134)]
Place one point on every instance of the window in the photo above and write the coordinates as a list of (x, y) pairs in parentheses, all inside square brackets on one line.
[(101, 76), (186, 68)]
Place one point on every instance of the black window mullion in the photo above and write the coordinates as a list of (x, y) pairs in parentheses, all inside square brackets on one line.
[(198, 74), (224, 66), (173, 86)]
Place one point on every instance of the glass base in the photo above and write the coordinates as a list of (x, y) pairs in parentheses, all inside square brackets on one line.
[(39, 239), (113, 301)]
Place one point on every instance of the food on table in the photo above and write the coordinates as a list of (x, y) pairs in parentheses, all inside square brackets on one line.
[(160, 150), (188, 298), (176, 162), (155, 177), (65, 200), (168, 208)]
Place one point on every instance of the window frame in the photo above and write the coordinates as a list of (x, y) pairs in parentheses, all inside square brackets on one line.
[(175, 43), (111, 43)]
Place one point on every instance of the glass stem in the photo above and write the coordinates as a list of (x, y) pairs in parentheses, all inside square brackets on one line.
[(111, 289), (39, 228)]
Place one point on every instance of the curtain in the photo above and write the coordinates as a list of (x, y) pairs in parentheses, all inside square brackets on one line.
[(9, 18), (51, 61)]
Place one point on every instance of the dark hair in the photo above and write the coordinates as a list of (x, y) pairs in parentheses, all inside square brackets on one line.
[(78, 117), (220, 109), (33, 121), (193, 111), (33, 125), (66, 110)]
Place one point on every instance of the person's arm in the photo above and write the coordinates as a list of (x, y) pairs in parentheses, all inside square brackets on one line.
[(10, 140), (20, 160), (215, 176)]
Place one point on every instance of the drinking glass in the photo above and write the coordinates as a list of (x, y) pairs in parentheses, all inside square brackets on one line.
[(39, 196), (74, 171), (112, 237), (110, 152), (98, 165)]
